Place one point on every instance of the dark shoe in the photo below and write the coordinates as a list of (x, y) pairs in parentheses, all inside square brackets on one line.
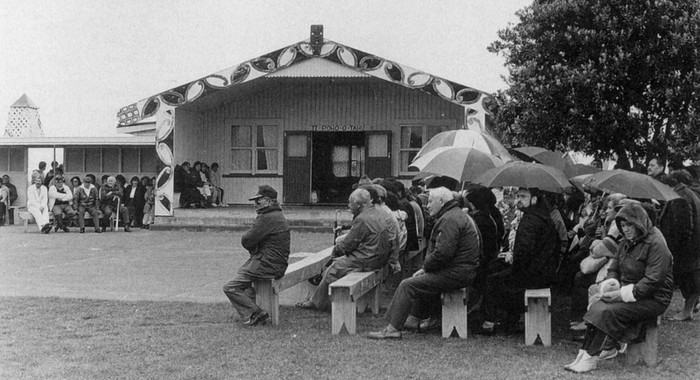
[(46, 229), (146, 227), (259, 317), (104, 229), (127, 228), (55, 229), (66, 229), (384, 334), (99, 231), (82, 230), (412, 323)]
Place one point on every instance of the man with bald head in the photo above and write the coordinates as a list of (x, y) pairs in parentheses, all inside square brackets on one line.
[(451, 262), (110, 198), (365, 247)]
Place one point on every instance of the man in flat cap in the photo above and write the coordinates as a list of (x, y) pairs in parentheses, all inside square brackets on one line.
[(267, 241)]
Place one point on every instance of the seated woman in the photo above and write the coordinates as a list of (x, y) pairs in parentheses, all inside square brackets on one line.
[(639, 287)]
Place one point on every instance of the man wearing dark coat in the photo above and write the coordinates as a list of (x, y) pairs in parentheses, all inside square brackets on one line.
[(267, 241), (451, 263), (110, 199), (534, 260)]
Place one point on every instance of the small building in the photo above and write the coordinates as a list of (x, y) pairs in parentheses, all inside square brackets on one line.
[(308, 119)]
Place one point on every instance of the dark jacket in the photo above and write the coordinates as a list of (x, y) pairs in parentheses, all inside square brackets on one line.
[(111, 195), (535, 250), (268, 243), (455, 247), (490, 239), (676, 225), (85, 198), (139, 196), (411, 234), (687, 258), (368, 244), (645, 263), (13, 192)]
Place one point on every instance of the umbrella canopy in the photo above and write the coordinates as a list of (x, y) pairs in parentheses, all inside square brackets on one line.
[(579, 169), (527, 175), (466, 138), (541, 155), (580, 181), (462, 164), (634, 185)]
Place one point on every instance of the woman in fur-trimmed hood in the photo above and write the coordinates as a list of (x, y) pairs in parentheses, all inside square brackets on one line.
[(638, 288)]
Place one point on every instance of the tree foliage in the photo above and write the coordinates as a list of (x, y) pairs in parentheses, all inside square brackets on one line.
[(611, 78)]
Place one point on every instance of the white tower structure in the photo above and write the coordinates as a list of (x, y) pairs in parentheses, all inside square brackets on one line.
[(23, 119)]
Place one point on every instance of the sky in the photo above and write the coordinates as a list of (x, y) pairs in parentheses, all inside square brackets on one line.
[(80, 61)]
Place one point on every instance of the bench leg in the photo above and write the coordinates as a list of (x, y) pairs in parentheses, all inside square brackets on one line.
[(343, 310), (26, 224), (267, 299), (538, 322), (647, 351), (369, 299), (454, 313)]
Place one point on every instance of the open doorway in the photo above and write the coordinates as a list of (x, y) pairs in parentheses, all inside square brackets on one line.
[(37, 155), (338, 163)]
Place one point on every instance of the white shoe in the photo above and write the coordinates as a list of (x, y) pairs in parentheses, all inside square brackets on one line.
[(587, 363), (608, 354), (578, 357)]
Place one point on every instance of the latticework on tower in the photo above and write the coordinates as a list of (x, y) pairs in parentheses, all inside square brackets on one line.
[(23, 119)]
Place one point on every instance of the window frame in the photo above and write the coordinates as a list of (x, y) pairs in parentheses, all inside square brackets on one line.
[(446, 124), (255, 124)]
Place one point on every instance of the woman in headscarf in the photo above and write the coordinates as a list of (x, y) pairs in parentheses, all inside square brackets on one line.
[(638, 288)]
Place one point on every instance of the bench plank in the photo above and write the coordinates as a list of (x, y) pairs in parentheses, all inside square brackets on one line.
[(345, 294), (267, 291)]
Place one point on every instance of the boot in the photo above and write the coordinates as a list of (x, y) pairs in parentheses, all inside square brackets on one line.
[(578, 358), (587, 363)]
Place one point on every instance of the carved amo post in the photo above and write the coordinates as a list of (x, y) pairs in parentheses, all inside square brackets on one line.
[(165, 122)]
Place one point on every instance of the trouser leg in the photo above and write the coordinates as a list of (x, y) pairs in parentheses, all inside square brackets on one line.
[(418, 295), (241, 294)]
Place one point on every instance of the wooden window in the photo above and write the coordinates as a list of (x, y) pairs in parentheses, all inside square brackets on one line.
[(4, 159), (130, 160), (413, 137), (148, 160), (110, 161), (93, 161), (254, 148)]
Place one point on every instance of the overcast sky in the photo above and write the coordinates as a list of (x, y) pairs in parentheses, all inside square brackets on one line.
[(80, 61)]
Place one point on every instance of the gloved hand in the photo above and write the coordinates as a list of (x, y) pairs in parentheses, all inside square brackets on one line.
[(612, 296)]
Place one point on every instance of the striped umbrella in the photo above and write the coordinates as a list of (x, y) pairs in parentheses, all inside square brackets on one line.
[(466, 138), (462, 164)]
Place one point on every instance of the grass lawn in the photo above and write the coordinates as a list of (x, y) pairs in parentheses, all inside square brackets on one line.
[(61, 338)]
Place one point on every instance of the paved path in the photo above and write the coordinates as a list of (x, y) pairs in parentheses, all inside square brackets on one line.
[(142, 265)]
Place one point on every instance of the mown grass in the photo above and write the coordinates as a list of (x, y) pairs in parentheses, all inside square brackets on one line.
[(58, 338)]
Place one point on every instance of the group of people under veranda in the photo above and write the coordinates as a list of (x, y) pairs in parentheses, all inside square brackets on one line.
[(49, 193), (616, 256)]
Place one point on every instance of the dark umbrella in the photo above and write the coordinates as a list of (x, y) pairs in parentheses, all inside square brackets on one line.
[(579, 169), (541, 155), (526, 175), (634, 185)]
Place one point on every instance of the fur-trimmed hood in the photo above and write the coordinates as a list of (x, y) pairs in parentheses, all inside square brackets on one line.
[(636, 215)]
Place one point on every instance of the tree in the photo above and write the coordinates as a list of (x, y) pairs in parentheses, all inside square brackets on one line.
[(610, 78)]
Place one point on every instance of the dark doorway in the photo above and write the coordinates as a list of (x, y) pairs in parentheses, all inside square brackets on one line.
[(338, 163)]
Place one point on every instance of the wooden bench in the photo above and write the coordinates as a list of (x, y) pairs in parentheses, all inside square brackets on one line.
[(267, 291), (538, 318), (646, 352), (352, 294), (29, 218), (454, 313)]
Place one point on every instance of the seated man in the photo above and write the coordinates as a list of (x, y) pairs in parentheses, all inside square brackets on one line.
[(4, 201), (451, 262), (110, 197), (268, 243), (60, 199), (37, 203), (365, 247), (534, 261), (87, 199)]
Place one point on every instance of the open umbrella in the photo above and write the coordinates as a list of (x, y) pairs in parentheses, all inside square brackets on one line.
[(462, 164), (580, 181), (634, 185), (573, 170), (527, 175), (466, 138), (541, 155)]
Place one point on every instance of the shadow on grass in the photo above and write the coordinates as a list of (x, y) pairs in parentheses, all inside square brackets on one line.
[(90, 339)]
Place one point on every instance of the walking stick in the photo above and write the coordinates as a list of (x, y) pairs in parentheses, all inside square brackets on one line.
[(116, 220)]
